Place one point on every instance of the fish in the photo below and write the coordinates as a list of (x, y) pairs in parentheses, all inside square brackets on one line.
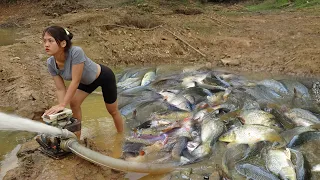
[(135, 91), (211, 130), (216, 98), (192, 145), (260, 95), (295, 87), (232, 155), (255, 172), (148, 78), (302, 117), (177, 100), (128, 109), (290, 133), (201, 151), (274, 85), (299, 165), (258, 117), (278, 113), (129, 83), (127, 74), (173, 115), (302, 138), (133, 73), (180, 145), (316, 168), (149, 153), (219, 81), (190, 81), (250, 105), (165, 83), (278, 161), (213, 88), (250, 134), (132, 149)]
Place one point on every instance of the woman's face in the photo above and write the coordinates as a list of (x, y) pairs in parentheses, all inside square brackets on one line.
[(50, 44)]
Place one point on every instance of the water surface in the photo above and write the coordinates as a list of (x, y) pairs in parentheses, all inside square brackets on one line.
[(8, 36)]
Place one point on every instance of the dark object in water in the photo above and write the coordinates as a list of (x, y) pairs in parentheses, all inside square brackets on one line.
[(302, 138), (132, 149), (145, 125)]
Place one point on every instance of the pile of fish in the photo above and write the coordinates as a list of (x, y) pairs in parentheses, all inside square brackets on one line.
[(188, 115)]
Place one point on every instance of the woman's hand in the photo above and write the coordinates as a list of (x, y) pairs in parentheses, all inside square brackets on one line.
[(54, 109)]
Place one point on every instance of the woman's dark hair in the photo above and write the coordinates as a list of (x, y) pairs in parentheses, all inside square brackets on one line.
[(60, 34)]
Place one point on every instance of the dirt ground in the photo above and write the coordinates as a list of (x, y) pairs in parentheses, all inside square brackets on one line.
[(139, 34)]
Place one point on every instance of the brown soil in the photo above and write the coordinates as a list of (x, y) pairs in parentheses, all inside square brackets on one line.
[(158, 32)]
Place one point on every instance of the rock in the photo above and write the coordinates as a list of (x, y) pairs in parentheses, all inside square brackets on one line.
[(13, 78), (28, 148), (14, 59), (230, 62), (34, 96), (9, 88)]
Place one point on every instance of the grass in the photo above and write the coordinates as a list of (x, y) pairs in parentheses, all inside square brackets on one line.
[(280, 4)]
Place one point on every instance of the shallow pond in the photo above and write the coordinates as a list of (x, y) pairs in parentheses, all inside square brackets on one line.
[(8, 36), (98, 126)]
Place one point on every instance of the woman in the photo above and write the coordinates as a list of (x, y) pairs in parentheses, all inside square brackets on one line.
[(69, 62)]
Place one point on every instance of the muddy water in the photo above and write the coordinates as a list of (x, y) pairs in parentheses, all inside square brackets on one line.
[(97, 125), (8, 36)]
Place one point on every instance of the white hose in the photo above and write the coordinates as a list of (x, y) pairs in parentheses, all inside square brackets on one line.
[(114, 163), (67, 134)]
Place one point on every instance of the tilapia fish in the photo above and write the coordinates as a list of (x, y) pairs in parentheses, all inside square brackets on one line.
[(250, 134), (278, 161)]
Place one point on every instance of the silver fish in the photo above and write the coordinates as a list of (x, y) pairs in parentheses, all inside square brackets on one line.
[(255, 172), (302, 117), (279, 162)]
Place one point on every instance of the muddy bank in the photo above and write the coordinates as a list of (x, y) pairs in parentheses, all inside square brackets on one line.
[(35, 165)]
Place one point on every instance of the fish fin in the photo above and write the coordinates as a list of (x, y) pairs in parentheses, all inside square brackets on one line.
[(134, 114), (277, 140), (231, 144), (296, 93), (242, 120), (288, 153), (315, 126)]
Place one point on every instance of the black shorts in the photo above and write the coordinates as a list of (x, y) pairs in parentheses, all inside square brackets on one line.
[(107, 81)]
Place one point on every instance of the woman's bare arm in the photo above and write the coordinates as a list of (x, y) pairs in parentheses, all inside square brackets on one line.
[(61, 88), (77, 70)]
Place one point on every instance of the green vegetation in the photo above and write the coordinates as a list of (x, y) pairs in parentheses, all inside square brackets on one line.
[(280, 4)]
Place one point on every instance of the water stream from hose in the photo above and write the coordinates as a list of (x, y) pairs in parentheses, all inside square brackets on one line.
[(16, 123)]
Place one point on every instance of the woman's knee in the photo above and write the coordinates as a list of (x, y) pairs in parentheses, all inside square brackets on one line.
[(113, 112)]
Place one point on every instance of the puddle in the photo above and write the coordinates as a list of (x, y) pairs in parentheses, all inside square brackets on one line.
[(10, 162), (8, 37)]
